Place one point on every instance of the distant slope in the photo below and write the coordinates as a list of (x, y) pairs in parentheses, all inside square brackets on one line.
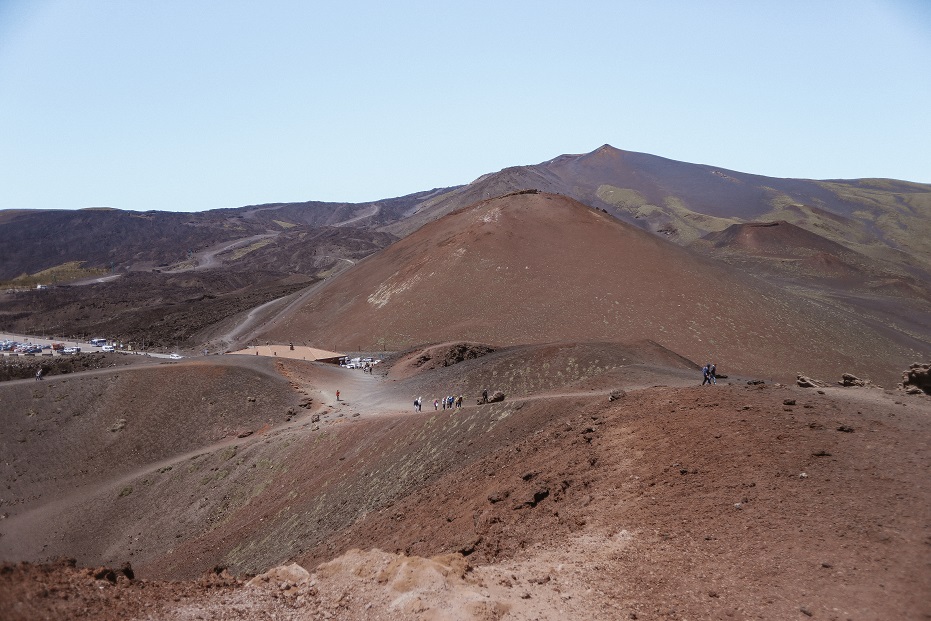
[(884, 219), (783, 247), (881, 218), (534, 268), (36, 240)]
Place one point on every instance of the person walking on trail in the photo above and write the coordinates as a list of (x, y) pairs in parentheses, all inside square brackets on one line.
[(417, 402), (436, 404), (706, 374), (337, 395), (38, 375), (485, 395), (713, 374), (459, 402)]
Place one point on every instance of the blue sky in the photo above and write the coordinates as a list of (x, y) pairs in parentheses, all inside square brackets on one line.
[(193, 105)]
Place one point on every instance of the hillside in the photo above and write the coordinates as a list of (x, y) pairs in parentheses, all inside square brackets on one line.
[(535, 268), (608, 483), (885, 219), (875, 259), (733, 500)]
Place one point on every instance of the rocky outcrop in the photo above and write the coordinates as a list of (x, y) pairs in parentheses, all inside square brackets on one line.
[(498, 396), (848, 379), (285, 576), (808, 382), (917, 379)]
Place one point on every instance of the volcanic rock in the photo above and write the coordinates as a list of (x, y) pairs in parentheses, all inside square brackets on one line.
[(848, 379), (807, 382), (917, 378)]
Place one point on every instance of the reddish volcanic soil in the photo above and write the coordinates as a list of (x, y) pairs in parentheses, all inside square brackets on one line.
[(671, 501), (519, 269)]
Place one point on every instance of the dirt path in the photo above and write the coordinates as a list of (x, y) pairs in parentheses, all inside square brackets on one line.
[(207, 259), (254, 323), (371, 214), (251, 319)]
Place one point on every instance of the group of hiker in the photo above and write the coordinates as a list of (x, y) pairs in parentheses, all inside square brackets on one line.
[(448, 402), (709, 374)]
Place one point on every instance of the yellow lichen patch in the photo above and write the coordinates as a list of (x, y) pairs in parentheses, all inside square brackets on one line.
[(284, 225), (241, 252), (625, 198), (65, 272)]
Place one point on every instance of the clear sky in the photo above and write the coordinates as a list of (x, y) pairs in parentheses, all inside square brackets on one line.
[(188, 105)]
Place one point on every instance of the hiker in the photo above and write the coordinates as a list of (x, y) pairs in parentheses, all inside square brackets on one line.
[(459, 402), (444, 404), (436, 404), (485, 395), (38, 375), (713, 374), (706, 374), (337, 395)]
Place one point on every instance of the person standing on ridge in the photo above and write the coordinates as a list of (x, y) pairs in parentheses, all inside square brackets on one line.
[(337, 395)]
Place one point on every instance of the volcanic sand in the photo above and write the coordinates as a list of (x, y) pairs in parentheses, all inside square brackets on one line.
[(673, 501)]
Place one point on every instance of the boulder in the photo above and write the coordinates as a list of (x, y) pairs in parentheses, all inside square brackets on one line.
[(807, 382), (292, 574), (616, 394), (498, 396), (917, 379), (848, 379)]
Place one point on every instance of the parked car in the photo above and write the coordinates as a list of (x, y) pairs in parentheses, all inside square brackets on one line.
[(176, 356), (71, 350), (108, 348)]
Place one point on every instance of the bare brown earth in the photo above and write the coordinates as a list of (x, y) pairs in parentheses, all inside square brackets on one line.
[(25, 367), (673, 501), (607, 485), (518, 269), (144, 309)]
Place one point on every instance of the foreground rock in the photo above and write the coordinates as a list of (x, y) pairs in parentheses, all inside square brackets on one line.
[(808, 382), (848, 380), (917, 379)]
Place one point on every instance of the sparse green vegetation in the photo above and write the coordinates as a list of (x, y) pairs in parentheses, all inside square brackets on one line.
[(66, 272), (620, 197), (239, 253)]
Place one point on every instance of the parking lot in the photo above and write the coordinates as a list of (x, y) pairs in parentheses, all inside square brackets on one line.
[(45, 345)]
